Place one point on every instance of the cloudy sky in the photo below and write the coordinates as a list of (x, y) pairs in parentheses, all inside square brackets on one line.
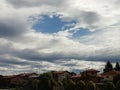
[(43, 35)]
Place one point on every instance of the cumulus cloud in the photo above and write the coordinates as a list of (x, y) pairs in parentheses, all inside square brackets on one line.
[(24, 48), (34, 3), (11, 28)]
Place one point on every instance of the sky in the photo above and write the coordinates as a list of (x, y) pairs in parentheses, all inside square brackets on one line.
[(44, 35)]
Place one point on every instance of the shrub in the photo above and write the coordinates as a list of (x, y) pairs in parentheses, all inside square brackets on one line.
[(91, 86), (116, 79), (80, 85), (118, 85), (110, 86)]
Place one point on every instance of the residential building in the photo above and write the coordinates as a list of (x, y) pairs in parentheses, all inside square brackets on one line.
[(76, 78), (88, 75), (60, 75), (108, 76)]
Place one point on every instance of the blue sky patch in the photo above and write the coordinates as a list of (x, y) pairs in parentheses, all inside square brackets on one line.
[(82, 32), (54, 24), (51, 24)]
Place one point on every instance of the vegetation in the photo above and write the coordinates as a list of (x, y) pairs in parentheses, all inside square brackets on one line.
[(117, 67), (80, 85), (47, 81), (116, 78), (108, 67), (118, 85), (110, 86), (68, 84), (91, 86)]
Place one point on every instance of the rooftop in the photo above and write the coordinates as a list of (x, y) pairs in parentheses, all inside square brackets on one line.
[(111, 73), (76, 76), (91, 70)]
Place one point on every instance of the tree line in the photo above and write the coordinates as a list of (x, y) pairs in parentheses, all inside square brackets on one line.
[(109, 67), (46, 81)]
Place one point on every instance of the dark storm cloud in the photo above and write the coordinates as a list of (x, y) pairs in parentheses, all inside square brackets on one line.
[(13, 61), (104, 58), (90, 17), (6, 48), (34, 3), (105, 55), (12, 27), (32, 55)]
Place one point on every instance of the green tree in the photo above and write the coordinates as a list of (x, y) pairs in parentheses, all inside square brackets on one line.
[(118, 85), (117, 66), (59, 83), (35, 84), (68, 84), (116, 78), (91, 86), (80, 85), (47, 75), (45, 84), (109, 86), (47, 81), (65, 83), (18, 88), (71, 85), (108, 67)]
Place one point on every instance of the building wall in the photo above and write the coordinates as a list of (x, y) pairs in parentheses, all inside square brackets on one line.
[(63, 76), (89, 74), (108, 78)]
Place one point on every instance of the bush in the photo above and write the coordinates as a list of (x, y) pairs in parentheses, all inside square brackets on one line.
[(68, 84), (110, 86), (80, 85), (116, 79), (91, 86), (118, 85), (60, 83), (18, 88)]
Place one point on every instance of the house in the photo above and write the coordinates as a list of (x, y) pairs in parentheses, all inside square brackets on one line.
[(20, 78), (14, 79), (91, 75), (108, 76), (90, 72), (29, 75), (17, 80), (76, 78), (60, 75), (88, 75)]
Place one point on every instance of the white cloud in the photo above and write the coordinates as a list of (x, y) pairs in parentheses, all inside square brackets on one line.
[(21, 43)]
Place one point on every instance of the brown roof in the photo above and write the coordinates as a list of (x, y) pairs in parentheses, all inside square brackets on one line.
[(27, 74), (60, 72), (20, 75), (99, 76), (80, 76), (9, 76), (17, 80), (91, 70), (111, 73), (76, 76)]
